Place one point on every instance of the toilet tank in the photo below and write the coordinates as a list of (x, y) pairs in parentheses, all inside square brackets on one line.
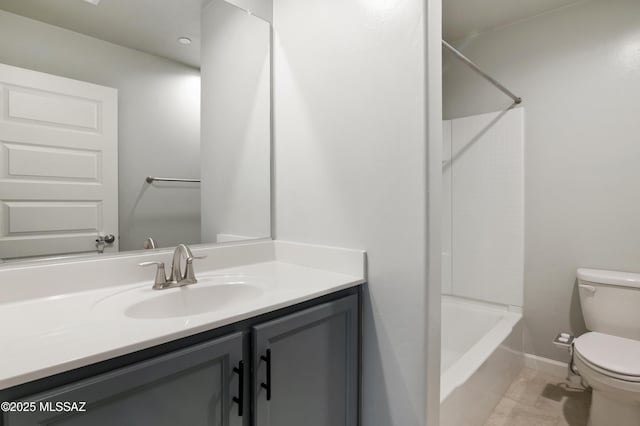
[(610, 301)]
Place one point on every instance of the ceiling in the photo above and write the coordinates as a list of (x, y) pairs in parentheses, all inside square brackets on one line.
[(152, 26), (462, 18)]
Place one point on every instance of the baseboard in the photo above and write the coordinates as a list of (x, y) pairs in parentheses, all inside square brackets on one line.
[(546, 365)]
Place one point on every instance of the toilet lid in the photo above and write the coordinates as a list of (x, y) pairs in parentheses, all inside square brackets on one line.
[(611, 353)]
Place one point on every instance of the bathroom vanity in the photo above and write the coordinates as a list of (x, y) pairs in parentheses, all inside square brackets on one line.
[(285, 354)]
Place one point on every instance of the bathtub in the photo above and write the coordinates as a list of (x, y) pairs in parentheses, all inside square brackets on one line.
[(482, 354)]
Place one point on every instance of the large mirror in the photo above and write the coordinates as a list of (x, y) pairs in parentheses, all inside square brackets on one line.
[(132, 124)]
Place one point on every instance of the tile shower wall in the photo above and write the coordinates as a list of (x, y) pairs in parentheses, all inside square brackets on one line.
[(483, 217), (446, 208)]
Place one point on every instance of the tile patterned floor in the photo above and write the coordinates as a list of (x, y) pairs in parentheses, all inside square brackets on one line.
[(539, 399)]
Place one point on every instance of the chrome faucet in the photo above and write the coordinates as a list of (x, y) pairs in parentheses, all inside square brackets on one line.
[(176, 275), (176, 278)]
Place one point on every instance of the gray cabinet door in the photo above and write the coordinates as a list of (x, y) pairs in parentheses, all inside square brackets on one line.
[(306, 367), (193, 386)]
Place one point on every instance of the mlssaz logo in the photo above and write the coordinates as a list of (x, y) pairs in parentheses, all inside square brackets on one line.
[(63, 406)]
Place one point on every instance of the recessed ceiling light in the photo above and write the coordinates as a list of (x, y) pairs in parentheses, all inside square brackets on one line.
[(184, 40), (93, 2)]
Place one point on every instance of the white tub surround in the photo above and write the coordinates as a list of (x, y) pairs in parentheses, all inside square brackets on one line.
[(481, 355), (483, 207), (65, 315)]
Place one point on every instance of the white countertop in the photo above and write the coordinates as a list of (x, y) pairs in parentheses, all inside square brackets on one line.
[(58, 332)]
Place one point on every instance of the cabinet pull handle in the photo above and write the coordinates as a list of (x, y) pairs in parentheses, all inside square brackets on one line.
[(267, 385), (239, 370)]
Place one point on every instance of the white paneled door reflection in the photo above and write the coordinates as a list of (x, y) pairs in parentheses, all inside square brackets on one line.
[(58, 164)]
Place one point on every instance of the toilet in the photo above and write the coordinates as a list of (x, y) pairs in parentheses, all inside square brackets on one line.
[(608, 356)]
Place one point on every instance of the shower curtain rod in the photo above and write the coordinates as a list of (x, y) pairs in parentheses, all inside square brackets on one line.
[(477, 69)]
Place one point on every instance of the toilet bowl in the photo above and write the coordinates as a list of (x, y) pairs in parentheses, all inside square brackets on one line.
[(610, 365), (608, 356)]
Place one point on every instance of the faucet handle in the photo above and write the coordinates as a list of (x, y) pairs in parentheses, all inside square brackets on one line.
[(192, 258), (161, 276), (189, 274), (151, 263)]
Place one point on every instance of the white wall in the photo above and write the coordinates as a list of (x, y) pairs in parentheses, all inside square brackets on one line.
[(236, 129), (351, 171), (260, 8), (159, 122), (447, 213), (578, 70), (483, 233)]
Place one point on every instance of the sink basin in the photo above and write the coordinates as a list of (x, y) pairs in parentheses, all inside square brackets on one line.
[(192, 300), (211, 293)]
